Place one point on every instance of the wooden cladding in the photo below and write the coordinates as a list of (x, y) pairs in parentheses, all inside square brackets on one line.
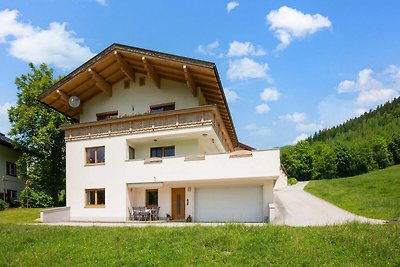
[(175, 119)]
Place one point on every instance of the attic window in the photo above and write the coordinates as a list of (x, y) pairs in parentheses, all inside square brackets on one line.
[(142, 81), (127, 84), (107, 115), (162, 107)]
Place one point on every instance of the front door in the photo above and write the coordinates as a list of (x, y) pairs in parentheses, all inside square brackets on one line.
[(178, 203)]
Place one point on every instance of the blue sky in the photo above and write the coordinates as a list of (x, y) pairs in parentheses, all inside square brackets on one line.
[(288, 68)]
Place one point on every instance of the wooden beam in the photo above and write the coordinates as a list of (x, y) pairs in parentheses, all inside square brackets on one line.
[(63, 96), (126, 69), (100, 82), (189, 80), (151, 72)]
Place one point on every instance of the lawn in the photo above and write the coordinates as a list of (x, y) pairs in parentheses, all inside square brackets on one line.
[(375, 194), (234, 245)]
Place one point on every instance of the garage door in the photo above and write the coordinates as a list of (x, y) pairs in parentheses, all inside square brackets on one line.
[(229, 204)]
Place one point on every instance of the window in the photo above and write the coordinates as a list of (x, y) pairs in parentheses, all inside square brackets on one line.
[(162, 107), (127, 84), (12, 194), (11, 169), (159, 152), (151, 198), (95, 197), (107, 115), (131, 153), (95, 155), (142, 81)]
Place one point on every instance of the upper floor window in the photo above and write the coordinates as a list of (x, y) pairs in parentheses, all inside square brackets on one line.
[(107, 115), (95, 197), (11, 169), (162, 107), (131, 153), (95, 155), (168, 151)]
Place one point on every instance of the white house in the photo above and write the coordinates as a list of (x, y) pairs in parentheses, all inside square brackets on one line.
[(154, 130), (10, 185)]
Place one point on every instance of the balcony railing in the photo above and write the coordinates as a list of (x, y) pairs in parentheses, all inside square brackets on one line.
[(168, 120)]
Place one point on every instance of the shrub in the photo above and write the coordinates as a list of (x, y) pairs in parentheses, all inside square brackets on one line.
[(292, 181), (3, 205), (37, 199)]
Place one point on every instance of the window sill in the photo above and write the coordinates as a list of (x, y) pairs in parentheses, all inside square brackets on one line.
[(95, 206), (94, 164)]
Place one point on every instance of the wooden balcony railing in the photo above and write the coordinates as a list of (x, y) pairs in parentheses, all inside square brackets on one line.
[(168, 120)]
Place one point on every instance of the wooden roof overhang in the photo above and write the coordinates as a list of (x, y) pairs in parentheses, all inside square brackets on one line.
[(123, 62)]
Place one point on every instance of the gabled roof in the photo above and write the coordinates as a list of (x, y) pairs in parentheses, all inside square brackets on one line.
[(4, 140), (120, 61)]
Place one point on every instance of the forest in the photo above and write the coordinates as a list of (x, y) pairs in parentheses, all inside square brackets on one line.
[(359, 145)]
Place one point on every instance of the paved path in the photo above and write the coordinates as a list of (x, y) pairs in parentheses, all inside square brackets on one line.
[(296, 207)]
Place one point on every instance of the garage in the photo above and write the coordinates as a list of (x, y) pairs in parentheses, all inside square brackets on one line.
[(229, 204)]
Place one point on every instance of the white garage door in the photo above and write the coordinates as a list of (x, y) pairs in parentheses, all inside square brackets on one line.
[(229, 204)]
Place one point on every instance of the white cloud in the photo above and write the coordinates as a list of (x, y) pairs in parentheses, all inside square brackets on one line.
[(371, 90), (256, 130), (4, 123), (231, 5), (299, 138), (262, 131), (309, 127), (239, 49), (231, 95), (251, 126), (288, 24), (245, 68), (211, 49), (4, 109), (262, 108), (269, 94), (55, 45), (294, 117), (102, 2)]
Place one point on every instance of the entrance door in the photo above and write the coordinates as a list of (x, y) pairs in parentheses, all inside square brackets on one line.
[(178, 203)]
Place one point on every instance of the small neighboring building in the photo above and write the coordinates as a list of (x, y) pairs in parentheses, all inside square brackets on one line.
[(155, 130), (10, 185)]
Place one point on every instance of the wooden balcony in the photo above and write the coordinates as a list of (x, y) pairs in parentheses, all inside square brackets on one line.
[(151, 122)]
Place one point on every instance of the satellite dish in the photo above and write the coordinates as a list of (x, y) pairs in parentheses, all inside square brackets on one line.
[(74, 101)]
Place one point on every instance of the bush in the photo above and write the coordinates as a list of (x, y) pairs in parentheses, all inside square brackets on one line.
[(3, 205), (292, 181), (37, 199)]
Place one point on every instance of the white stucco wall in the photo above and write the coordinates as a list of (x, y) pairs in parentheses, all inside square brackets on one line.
[(173, 172), (10, 182), (138, 99)]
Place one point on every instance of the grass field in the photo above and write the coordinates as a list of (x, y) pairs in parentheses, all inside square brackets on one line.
[(374, 195), (232, 245)]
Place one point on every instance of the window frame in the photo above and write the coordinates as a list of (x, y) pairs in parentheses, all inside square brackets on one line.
[(87, 157), (131, 153), (11, 169), (147, 197), (160, 107), (162, 151), (107, 115), (96, 205)]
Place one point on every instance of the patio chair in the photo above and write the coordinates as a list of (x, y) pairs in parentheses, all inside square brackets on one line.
[(143, 215), (154, 213), (131, 213), (136, 213)]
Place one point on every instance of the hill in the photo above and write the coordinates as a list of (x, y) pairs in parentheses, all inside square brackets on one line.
[(373, 195), (359, 145)]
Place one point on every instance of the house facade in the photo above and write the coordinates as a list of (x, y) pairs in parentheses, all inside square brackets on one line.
[(154, 130), (10, 185)]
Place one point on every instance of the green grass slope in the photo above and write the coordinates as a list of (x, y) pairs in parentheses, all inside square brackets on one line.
[(375, 194)]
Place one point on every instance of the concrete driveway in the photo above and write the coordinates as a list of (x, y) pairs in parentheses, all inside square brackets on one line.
[(295, 207)]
